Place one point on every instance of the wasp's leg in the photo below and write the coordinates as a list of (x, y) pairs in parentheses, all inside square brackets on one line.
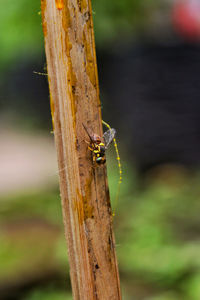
[(87, 142), (91, 149)]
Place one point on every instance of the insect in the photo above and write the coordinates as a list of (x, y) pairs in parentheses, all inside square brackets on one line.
[(99, 145)]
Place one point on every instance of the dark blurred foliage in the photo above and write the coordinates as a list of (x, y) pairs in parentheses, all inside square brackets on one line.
[(25, 93), (21, 32), (157, 232), (149, 90), (152, 95)]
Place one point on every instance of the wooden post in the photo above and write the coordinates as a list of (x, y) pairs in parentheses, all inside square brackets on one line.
[(74, 95)]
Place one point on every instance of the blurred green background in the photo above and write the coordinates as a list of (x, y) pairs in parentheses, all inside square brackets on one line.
[(157, 224)]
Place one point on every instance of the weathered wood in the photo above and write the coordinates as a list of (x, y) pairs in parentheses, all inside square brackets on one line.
[(74, 94)]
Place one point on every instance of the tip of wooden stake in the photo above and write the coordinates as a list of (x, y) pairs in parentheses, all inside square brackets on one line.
[(59, 4)]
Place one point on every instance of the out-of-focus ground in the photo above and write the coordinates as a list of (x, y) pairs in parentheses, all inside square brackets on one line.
[(28, 161)]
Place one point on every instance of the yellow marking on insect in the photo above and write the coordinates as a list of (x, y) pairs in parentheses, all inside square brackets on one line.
[(119, 166)]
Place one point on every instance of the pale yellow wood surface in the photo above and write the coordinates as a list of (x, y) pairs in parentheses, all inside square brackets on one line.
[(74, 93)]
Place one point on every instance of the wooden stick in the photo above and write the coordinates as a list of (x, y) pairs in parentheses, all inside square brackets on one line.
[(74, 95)]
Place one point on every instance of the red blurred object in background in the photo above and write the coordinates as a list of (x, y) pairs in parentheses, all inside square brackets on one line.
[(186, 18)]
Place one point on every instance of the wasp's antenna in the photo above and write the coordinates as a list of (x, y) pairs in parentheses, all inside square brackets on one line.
[(119, 166), (40, 73), (88, 133)]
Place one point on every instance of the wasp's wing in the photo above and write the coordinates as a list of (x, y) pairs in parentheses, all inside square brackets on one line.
[(109, 136)]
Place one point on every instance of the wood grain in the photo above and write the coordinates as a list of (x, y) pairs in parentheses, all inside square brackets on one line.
[(74, 95)]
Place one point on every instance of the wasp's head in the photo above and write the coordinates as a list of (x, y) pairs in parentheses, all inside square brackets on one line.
[(96, 139)]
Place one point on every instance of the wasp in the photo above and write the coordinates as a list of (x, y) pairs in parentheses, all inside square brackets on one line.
[(99, 145)]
